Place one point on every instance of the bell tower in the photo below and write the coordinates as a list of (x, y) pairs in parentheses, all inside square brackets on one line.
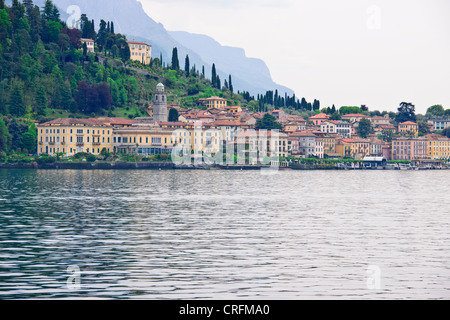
[(160, 113)]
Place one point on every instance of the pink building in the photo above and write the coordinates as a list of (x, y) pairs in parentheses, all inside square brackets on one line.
[(318, 119), (409, 149)]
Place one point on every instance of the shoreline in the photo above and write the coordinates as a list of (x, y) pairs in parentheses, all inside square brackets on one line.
[(172, 166)]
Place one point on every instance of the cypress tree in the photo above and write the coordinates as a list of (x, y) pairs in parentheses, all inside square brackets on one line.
[(175, 61), (203, 72), (112, 27), (218, 82), (108, 28), (187, 66), (214, 76), (2, 4), (230, 84)]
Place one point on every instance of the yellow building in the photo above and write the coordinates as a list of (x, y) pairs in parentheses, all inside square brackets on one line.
[(409, 128), (140, 51), (72, 136), (150, 139), (214, 102), (438, 146), (344, 147), (329, 144), (360, 148)]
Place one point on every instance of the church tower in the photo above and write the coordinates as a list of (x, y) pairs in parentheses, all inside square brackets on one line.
[(160, 113)]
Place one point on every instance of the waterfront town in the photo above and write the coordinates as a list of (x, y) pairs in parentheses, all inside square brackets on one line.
[(217, 122)]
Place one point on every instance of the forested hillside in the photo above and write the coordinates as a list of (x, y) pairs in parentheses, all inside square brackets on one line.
[(46, 72)]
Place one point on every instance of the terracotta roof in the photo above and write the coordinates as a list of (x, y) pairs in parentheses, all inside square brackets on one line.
[(117, 121), (138, 42), (212, 98), (407, 123), (302, 134), (73, 121), (226, 123), (320, 116)]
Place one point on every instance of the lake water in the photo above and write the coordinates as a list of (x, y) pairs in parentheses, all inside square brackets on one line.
[(224, 234)]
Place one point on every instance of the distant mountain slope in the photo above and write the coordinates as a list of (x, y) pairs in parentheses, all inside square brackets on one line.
[(130, 19), (231, 59)]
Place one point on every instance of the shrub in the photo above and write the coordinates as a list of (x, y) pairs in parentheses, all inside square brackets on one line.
[(91, 158)]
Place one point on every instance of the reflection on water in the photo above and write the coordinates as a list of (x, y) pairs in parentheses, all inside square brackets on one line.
[(224, 235)]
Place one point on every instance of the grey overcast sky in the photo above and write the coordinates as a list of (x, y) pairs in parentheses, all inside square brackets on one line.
[(347, 52)]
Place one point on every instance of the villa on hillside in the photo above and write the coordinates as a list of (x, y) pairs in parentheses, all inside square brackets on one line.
[(140, 51)]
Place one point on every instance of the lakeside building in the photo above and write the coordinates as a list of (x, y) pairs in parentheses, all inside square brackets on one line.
[(361, 148), (214, 102), (90, 44), (438, 146), (376, 147), (342, 128), (302, 144), (344, 147), (409, 128), (140, 51), (409, 149), (277, 145), (72, 136), (319, 148)]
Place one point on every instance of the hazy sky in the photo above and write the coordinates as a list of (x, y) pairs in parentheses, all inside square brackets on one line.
[(347, 52)]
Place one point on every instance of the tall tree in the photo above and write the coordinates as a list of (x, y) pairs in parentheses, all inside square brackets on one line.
[(406, 112), (173, 115), (34, 19), (364, 128), (175, 61), (16, 104), (40, 100), (230, 83), (435, 111), (28, 6), (218, 84), (112, 27), (187, 66), (268, 122), (214, 76)]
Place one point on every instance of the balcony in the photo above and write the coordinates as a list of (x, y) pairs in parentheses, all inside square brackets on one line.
[(52, 143), (41, 143), (63, 143), (96, 143), (80, 144)]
